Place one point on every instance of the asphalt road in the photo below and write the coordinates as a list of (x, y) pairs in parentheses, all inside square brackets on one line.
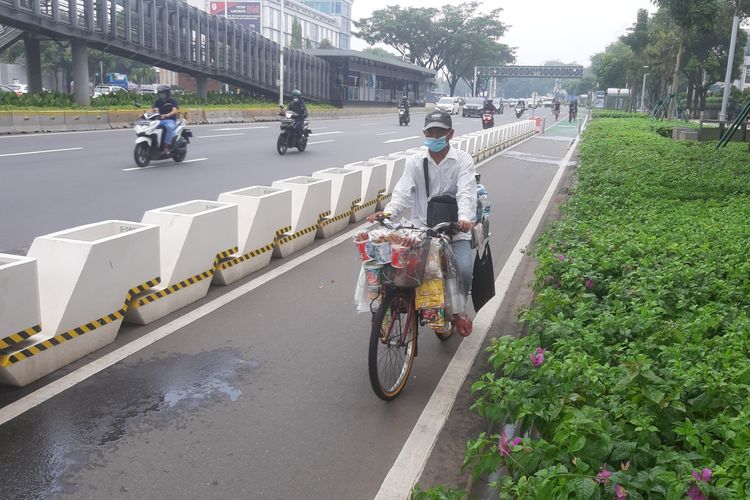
[(266, 397), (52, 182)]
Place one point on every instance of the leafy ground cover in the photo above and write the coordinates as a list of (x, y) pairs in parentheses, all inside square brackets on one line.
[(634, 380)]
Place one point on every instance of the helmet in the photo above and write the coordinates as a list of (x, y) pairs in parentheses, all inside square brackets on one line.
[(163, 89), (489, 99), (296, 93)]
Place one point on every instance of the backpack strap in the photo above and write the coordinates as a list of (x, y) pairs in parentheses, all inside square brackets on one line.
[(426, 176)]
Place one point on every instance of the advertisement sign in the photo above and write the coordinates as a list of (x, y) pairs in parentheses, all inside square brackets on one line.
[(246, 14)]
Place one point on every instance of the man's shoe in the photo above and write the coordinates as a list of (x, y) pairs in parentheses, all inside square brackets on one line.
[(463, 324)]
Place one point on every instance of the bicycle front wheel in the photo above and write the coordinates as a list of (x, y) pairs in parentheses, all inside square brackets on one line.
[(392, 344)]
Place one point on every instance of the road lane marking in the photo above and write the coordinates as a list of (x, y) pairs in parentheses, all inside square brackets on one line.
[(402, 139), (387, 133), (40, 152), (162, 165), (368, 124), (320, 142), (60, 385), (216, 135), (410, 463), (328, 133), (236, 128)]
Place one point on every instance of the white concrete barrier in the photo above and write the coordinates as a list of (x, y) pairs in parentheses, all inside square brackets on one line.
[(395, 166), (195, 237), (265, 214), (311, 201), (373, 187), (346, 186), (20, 316), (87, 278), (461, 143)]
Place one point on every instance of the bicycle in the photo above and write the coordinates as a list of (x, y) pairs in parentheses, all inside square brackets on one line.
[(395, 328)]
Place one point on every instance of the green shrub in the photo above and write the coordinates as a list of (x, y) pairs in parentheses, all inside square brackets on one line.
[(643, 306)]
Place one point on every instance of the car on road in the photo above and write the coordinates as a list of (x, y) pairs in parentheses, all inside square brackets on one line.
[(147, 89), (19, 88), (473, 107), (548, 103), (449, 105), (101, 90)]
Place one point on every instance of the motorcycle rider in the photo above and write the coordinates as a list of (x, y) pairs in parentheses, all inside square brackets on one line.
[(556, 107), (489, 107), (298, 107), (168, 109), (451, 172), (404, 103)]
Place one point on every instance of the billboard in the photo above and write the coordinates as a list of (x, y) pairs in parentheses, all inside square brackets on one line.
[(246, 14)]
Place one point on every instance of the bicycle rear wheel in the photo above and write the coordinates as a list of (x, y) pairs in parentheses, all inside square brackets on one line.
[(392, 344)]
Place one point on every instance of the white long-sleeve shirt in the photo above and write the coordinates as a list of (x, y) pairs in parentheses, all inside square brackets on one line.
[(454, 176)]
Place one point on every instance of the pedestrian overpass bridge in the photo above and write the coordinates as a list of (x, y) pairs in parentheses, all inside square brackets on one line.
[(169, 34)]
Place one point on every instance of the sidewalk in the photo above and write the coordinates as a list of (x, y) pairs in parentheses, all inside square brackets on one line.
[(446, 459)]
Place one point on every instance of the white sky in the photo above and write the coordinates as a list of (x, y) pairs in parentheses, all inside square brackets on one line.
[(539, 28)]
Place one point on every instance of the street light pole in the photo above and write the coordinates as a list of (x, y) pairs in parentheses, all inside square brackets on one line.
[(730, 62), (475, 81), (281, 57), (643, 90)]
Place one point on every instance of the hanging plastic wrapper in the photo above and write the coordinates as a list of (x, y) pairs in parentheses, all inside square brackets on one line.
[(455, 298), (367, 293)]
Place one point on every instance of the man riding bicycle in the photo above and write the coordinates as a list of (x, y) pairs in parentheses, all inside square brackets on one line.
[(450, 172)]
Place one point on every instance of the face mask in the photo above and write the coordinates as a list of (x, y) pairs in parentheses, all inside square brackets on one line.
[(436, 145), (296, 99)]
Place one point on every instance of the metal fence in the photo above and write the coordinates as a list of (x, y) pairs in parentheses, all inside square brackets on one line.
[(173, 35)]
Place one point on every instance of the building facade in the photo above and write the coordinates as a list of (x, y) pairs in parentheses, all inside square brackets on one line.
[(358, 78), (341, 10)]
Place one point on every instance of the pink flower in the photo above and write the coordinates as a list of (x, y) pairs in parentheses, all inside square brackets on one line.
[(537, 357), (603, 476), (695, 493), (704, 475), (589, 283), (561, 257), (504, 447), (620, 492)]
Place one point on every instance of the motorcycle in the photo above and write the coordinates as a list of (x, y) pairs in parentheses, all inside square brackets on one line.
[(403, 116), (288, 138), (488, 120), (519, 112), (572, 115), (501, 108), (149, 142)]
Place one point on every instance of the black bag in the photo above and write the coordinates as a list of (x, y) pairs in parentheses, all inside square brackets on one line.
[(442, 208), (483, 281)]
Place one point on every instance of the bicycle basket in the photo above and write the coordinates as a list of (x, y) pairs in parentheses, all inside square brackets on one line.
[(412, 274)]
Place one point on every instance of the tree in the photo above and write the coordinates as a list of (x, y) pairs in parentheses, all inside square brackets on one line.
[(453, 39), (382, 53), (308, 43), (696, 16), (325, 44), (296, 40)]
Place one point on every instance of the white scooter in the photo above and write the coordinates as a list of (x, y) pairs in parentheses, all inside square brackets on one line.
[(150, 138)]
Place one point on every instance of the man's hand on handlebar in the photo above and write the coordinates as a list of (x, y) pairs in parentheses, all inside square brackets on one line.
[(464, 226), (378, 216)]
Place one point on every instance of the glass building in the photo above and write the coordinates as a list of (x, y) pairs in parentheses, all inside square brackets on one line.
[(342, 11)]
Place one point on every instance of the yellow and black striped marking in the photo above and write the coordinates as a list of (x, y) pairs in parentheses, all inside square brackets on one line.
[(302, 232), (343, 216), (255, 253), (184, 283), (9, 359), (19, 336), (383, 197), (357, 208)]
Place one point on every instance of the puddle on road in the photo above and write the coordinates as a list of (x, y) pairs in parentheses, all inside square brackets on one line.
[(79, 428)]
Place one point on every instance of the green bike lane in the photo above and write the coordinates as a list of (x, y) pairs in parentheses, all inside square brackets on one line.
[(266, 397)]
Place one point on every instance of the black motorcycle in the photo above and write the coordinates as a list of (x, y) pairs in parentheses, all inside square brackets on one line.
[(519, 112), (403, 116), (289, 138)]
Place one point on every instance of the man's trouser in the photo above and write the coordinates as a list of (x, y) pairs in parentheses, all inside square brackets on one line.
[(169, 126)]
